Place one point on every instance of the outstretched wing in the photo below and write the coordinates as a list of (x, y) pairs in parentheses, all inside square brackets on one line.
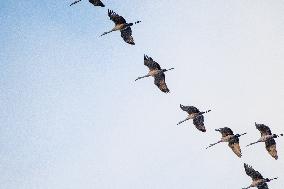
[(189, 109), (270, 146), (235, 146), (226, 131), (264, 130), (97, 3), (116, 18), (151, 64), (263, 186), (160, 81), (255, 175), (198, 121), (126, 34)]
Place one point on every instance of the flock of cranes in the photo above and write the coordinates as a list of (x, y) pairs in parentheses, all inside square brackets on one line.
[(194, 113)]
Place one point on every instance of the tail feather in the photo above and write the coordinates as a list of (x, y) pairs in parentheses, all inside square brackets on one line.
[(75, 2)]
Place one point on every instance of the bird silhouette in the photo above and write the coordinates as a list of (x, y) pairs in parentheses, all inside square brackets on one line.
[(156, 72), (196, 115), (268, 138), (122, 26), (232, 139), (257, 179)]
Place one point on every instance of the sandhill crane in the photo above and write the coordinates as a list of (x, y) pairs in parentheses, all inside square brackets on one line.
[(94, 2), (268, 138), (257, 179), (156, 72), (196, 115), (122, 26), (231, 138)]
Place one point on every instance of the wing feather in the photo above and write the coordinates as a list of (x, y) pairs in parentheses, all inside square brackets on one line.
[(263, 186), (189, 109), (126, 35), (198, 121), (151, 64), (116, 18), (255, 175), (264, 130), (226, 131), (97, 3), (235, 146), (160, 81), (270, 146)]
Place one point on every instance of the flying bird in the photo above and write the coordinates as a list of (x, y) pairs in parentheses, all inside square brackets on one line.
[(268, 138), (196, 115), (257, 179), (122, 26), (157, 72), (233, 140), (94, 2)]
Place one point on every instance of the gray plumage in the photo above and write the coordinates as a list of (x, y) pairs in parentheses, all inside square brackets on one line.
[(122, 26), (257, 179), (156, 72), (196, 115)]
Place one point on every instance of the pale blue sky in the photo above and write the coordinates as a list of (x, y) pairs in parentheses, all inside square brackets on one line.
[(73, 117)]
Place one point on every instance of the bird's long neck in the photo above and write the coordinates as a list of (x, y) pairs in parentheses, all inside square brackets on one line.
[(239, 135), (268, 180), (204, 112), (280, 135), (131, 24), (165, 70), (75, 2)]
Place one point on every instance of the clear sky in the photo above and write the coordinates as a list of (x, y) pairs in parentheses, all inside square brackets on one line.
[(72, 116)]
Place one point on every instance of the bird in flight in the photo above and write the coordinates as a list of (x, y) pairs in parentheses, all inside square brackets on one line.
[(233, 140), (257, 179), (156, 72), (196, 115), (268, 138), (122, 26), (94, 2)]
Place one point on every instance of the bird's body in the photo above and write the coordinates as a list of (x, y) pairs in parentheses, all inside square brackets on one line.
[(268, 138), (257, 179), (156, 72), (231, 138), (93, 2), (196, 115), (122, 26)]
